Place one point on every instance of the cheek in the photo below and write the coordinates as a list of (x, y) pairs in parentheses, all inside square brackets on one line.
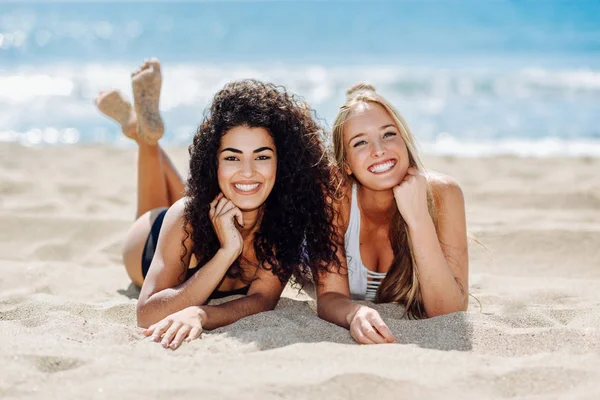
[(355, 158), (269, 170), (223, 176)]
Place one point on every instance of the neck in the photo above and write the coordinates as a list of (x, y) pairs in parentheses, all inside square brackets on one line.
[(376, 205), (252, 221)]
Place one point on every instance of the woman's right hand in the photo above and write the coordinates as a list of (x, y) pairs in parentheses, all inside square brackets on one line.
[(367, 327), (222, 213), (174, 329)]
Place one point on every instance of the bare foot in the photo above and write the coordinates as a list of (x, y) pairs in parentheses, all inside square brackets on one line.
[(113, 105), (146, 83)]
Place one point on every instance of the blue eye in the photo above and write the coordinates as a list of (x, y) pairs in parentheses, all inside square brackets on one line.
[(359, 143), (388, 134)]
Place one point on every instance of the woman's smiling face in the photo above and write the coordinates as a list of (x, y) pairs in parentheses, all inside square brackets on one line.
[(376, 153), (247, 166)]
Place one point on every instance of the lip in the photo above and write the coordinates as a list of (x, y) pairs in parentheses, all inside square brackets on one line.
[(393, 160), (246, 192)]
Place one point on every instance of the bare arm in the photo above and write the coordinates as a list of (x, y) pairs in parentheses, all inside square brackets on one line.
[(263, 295), (442, 257), (163, 293), (333, 299), (187, 324), (335, 305)]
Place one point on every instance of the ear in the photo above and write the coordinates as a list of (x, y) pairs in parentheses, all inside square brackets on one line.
[(347, 169)]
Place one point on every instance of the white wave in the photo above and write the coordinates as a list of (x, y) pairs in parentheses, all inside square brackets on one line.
[(447, 145), (480, 105)]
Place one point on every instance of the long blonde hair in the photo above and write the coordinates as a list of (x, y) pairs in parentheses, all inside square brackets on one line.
[(401, 284)]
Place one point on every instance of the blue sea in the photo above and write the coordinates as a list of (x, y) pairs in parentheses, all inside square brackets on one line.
[(472, 78)]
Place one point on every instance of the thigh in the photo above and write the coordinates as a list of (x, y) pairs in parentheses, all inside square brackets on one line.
[(135, 242)]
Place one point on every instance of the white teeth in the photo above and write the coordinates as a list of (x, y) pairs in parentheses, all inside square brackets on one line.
[(246, 188), (382, 167)]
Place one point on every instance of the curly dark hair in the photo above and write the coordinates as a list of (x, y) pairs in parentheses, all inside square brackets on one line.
[(296, 236)]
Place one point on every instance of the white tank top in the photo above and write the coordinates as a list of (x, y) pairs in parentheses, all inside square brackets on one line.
[(363, 282)]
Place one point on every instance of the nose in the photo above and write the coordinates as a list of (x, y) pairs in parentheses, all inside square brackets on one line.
[(378, 149), (247, 170)]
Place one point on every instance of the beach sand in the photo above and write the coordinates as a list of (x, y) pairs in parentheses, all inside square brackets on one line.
[(67, 309)]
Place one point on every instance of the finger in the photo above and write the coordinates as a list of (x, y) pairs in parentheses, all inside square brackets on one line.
[(212, 204), (239, 216), (181, 334), (161, 327), (194, 334), (219, 207), (359, 336), (370, 332), (235, 212), (148, 331), (226, 207), (382, 328), (170, 334)]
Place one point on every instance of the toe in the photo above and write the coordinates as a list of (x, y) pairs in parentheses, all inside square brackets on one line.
[(155, 64)]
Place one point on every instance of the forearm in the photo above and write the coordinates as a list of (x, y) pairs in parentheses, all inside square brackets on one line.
[(336, 308), (442, 294), (193, 292), (227, 313)]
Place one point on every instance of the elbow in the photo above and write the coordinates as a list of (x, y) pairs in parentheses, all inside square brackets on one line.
[(267, 303), (321, 310), (448, 309), (325, 304), (141, 314)]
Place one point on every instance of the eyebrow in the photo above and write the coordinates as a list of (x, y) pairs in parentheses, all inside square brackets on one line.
[(355, 136), (259, 150)]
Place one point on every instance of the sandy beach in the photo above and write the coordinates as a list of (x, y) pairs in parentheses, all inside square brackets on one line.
[(67, 309)]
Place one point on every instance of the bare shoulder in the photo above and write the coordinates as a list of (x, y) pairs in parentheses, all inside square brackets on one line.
[(174, 216), (446, 189), (174, 223)]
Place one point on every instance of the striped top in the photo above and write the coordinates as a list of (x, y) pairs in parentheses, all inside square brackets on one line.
[(363, 282)]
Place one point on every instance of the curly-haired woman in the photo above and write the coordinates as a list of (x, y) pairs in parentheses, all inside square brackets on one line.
[(404, 227), (255, 210)]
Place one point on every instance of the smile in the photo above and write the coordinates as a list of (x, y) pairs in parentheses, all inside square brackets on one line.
[(382, 167), (246, 188)]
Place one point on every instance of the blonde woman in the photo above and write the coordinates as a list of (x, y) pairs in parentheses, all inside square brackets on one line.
[(404, 227)]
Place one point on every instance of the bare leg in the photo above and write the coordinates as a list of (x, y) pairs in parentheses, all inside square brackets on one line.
[(133, 247), (159, 182), (146, 83), (175, 184)]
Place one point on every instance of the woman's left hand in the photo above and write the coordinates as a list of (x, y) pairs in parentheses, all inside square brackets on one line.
[(411, 196), (174, 329)]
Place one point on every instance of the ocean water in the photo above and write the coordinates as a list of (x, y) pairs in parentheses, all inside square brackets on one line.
[(472, 78)]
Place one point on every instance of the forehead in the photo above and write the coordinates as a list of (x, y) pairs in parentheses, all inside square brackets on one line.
[(365, 117), (245, 138)]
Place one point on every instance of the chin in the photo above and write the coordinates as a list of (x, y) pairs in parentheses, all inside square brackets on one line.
[(380, 184), (248, 204)]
